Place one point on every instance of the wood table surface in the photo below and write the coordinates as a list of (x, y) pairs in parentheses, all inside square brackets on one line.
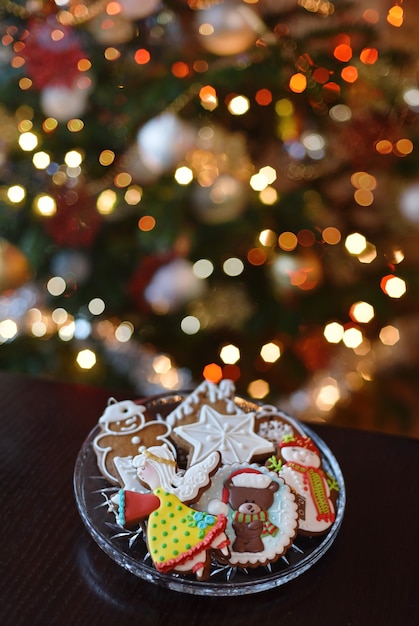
[(52, 572)]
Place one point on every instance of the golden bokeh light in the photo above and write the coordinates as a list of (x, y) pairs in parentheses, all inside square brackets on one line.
[(287, 241), (389, 335), (362, 312), (270, 352), (230, 354), (258, 389), (393, 286)]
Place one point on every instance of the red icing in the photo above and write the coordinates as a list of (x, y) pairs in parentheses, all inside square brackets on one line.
[(138, 506), (205, 544)]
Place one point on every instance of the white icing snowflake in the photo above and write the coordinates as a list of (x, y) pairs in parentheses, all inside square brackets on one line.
[(274, 431), (232, 435)]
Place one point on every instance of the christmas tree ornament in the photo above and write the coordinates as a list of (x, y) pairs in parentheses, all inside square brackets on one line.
[(409, 203), (164, 284), (51, 52), (76, 221), (228, 28), (220, 161), (112, 31), (173, 286), (136, 10), (132, 161), (221, 202), (163, 141), (15, 270), (324, 147), (64, 102)]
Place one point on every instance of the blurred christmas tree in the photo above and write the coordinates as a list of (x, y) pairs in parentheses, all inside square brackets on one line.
[(218, 188)]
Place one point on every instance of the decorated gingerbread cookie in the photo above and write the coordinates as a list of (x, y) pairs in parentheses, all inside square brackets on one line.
[(212, 482), (179, 538), (273, 424), (232, 434), (124, 428), (260, 509), (300, 465), (220, 397)]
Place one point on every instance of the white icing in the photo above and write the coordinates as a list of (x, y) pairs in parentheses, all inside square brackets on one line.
[(185, 485), (128, 474), (233, 435), (258, 481), (295, 479), (225, 390), (274, 424), (282, 513), (131, 426), (274, 431), (125, 411)]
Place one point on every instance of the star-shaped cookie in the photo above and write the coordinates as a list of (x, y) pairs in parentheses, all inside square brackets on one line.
[(232, 435)]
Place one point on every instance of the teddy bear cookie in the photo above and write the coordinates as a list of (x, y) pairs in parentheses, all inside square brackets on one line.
[(300, 465), (260, 509)]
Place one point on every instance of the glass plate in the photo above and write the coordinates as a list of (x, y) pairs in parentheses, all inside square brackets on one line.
[(129, 549)]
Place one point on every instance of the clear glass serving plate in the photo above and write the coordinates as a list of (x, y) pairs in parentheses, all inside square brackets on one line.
[(129, 549)]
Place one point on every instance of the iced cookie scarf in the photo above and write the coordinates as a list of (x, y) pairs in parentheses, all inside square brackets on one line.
[(315, 480), (262, 516)]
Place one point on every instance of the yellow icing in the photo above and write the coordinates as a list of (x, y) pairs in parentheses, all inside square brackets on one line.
[(175, 532)]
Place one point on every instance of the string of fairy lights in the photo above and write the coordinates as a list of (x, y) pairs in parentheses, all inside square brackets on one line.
[(23, 310)]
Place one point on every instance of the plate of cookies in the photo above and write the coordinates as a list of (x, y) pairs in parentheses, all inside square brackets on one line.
[(208, 493)]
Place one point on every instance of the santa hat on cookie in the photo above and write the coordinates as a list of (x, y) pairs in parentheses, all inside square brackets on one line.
[(245, 477), (300, 442)]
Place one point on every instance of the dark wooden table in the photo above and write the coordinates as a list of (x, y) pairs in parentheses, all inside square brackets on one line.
[(52, 572)]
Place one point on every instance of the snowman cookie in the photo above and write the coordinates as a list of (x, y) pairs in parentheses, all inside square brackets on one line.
[(124, 429), (300, 465)]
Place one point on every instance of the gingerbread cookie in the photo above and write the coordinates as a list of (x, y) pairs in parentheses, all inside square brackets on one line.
[(232, 434), (261, 512), (273, 425), (179, 538), (300, 465), (124, 428), (220, 397), (211, 481)]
